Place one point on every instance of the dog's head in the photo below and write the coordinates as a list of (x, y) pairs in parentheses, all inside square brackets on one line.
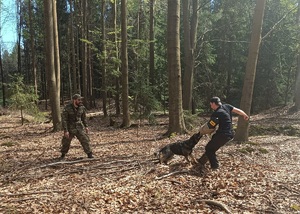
[(196, 137)]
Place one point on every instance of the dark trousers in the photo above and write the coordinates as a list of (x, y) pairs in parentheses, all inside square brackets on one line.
[(217, 141)]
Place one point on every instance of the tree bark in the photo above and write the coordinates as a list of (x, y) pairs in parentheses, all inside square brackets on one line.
[(56, 50), (242, 132), (124, 66), (297, 86), (84, 52), (50, 64), (117, 66), (190, 34), (73, 50), (32, 49), (176, 121), (104, 55), (151, 48)]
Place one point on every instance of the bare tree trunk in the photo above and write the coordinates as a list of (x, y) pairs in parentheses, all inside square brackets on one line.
[(20, 21), (124, 59), (104, 84), (297, 86), (151, 49), (56, 50), (73, 51), (84, 52), (117, 79), (50, 64), (2, 79), (190, 32), (246, 101), (176, 121), (32, 49)]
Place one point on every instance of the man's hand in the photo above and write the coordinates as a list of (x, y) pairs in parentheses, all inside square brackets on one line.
[(246, 117)]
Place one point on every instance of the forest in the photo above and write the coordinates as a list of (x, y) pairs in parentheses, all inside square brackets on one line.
[(147, 70)]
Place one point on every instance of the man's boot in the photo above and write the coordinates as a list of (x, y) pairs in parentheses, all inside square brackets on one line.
[(62, 157), (203, 159), (90, 155)]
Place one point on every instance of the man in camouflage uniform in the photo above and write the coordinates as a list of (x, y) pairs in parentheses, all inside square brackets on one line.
[(74, 124)]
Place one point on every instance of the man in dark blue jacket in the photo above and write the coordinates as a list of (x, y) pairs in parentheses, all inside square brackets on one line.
[(221, 116)]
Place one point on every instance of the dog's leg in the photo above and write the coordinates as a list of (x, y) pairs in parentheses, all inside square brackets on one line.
[(187, 159), (194, 161)]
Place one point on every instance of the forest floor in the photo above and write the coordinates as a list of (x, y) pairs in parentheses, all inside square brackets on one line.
[(260, 176)]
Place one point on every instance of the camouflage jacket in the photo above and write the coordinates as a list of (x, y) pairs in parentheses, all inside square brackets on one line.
[(74, 118)]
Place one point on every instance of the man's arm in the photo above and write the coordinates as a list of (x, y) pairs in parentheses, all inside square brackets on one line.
[(240, 112)]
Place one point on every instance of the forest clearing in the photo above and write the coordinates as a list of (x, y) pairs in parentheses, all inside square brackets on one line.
[(260, 176)]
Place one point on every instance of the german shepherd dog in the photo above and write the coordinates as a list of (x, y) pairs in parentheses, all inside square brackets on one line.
[(184, 148)]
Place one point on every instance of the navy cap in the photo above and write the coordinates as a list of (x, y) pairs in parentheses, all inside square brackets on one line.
[(216, 100)]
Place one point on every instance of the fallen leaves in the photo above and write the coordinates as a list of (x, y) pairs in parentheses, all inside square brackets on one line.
[(124, 177)]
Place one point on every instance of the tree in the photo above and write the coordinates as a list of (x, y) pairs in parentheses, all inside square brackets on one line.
[(297, 88), (23, 97), (190, 35), (53, 75), (246, 101), (124, 66), (32, 48), (176, 121), (151, 48), (104, 56)]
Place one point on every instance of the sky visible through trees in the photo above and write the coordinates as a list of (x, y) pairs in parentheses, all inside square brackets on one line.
[(8, 24)]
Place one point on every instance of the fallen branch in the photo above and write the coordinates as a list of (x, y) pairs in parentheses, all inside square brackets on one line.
[(218, 204), (68, 162), (31, 193), (173, 181), (172, 173)]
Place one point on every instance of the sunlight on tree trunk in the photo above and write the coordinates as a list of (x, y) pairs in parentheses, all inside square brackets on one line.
[(297, 88), (176, 121), (53, 80), (246, 101), (125, 92), (190, 33)]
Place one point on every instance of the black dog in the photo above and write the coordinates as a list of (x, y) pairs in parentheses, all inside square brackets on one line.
[(184, 148)]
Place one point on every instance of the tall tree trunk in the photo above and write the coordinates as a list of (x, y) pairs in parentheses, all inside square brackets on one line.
[(297, 87), (2, 78), (69, 58), (246, 101), (117, 66), (19, 28), (176, 121), (50, 64), (104, 84), (151, 48), (73, 50), (32, 48), (84, 51), (124, 66), (190, 33), (56, 50)]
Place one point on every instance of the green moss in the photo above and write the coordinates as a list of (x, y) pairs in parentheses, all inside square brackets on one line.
[(9, 144), (263, 150)]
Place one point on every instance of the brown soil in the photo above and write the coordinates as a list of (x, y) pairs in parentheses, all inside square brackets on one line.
[(260, 176)]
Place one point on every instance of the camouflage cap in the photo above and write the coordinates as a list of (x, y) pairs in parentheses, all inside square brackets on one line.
[(76, 97)]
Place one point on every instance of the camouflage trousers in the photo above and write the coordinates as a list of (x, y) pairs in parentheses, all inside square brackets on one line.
[(81, 136)]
